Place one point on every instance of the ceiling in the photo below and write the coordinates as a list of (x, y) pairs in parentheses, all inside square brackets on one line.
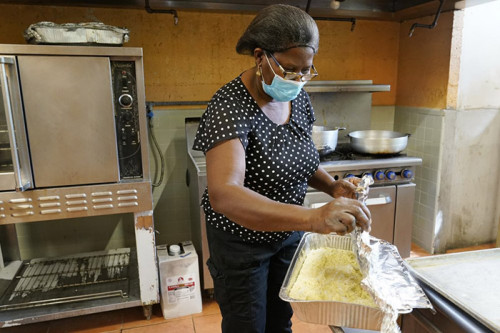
[(396, 10)]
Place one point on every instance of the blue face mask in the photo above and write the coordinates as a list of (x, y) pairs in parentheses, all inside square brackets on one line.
[(282, 90)]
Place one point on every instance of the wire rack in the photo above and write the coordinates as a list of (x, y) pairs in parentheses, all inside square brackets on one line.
[(69, 279)]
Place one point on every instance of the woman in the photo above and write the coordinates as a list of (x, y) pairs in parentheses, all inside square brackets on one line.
[(256, 135)]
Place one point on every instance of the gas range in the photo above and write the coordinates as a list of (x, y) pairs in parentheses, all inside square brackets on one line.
[(385, 169), (391, 198)]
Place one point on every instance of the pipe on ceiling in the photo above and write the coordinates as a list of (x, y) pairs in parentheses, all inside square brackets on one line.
[(428, 26), (162, 11), (342, 19)]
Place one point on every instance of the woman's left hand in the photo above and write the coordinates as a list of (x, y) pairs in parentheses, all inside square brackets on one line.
[(345, 188)]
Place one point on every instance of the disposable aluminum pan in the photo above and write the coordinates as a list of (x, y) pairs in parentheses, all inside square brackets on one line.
[(90, 33), (326, 312)]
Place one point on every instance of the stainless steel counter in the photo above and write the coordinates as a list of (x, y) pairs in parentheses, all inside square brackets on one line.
[(463, 284)]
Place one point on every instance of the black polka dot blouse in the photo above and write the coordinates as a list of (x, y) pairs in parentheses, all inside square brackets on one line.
[(279, 158)]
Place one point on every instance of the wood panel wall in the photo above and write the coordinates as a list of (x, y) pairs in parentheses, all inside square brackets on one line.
[(190, 61)]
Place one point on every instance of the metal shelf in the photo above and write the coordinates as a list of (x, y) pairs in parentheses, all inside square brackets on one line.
[(345, 86), (121, 273)]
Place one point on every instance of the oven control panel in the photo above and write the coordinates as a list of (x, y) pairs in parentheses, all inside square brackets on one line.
[(127, 119), (381, 176)]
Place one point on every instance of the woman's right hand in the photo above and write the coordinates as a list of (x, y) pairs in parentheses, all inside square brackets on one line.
[(340, 216)]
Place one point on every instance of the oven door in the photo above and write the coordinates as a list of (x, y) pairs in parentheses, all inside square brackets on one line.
[(70, 119), (381, 202), (15, 170)]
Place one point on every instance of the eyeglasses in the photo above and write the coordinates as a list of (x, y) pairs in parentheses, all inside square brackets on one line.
[(289, 75)]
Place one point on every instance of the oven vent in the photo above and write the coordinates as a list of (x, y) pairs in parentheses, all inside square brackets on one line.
[(69, 279)]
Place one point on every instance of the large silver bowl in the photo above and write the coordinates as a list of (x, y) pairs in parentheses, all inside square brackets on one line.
[(378, 142)]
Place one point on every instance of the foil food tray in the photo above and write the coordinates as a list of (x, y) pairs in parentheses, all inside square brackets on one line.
[(91, 33), (327, 312)]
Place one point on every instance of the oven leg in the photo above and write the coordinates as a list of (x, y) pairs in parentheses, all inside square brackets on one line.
[(148, 311), (146, 260)]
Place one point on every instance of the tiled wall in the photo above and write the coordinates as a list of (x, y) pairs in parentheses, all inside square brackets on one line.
[(171, 199), (426, 129), (382, 118)]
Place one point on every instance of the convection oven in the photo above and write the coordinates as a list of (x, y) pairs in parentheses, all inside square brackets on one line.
[(73, 143)]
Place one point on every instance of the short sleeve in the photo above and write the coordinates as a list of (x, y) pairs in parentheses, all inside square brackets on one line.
[(227, 116), (309, 108)]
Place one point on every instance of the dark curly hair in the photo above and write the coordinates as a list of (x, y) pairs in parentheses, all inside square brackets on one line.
[(278, 28)]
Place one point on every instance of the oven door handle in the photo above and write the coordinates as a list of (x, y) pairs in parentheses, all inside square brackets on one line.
[(12, 104), (378, 201), (384, 200)]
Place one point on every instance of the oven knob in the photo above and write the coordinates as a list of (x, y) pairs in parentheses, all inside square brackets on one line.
[(367, 174), (379, 175), (349, 175), (391, 175), (127, 116), (125, 100), (408, 174)]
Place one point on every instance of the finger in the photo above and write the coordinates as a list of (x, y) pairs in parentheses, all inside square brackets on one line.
[(366, 211), (341, 229), (348, 220), (363, 219), (369, 228), (354, 180), (349, 188), (335, 224), (358, 210), (341, 233)]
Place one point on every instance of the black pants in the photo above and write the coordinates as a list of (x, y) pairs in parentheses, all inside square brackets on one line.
[(247, 279)]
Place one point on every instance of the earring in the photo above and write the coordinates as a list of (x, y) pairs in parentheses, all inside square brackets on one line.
[(258, 72)]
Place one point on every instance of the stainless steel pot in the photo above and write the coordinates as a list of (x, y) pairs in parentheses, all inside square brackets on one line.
[(378, 142), (325, 138)]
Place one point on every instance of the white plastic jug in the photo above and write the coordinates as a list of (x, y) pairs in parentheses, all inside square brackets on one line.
[(179, 280)]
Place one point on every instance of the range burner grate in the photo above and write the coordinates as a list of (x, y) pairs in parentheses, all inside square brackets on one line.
[(69, 279), (344, 152)]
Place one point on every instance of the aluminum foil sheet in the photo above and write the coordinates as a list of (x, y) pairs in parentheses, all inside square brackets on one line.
[(388, 280), (91, 33), (386, 277)]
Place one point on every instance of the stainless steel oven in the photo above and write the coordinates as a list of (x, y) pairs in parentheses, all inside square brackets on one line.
[(69, 119), (73, 143), (391, 197)]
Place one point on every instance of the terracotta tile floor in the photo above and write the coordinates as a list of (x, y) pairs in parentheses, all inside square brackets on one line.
[(417, 251), (132, 320)]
